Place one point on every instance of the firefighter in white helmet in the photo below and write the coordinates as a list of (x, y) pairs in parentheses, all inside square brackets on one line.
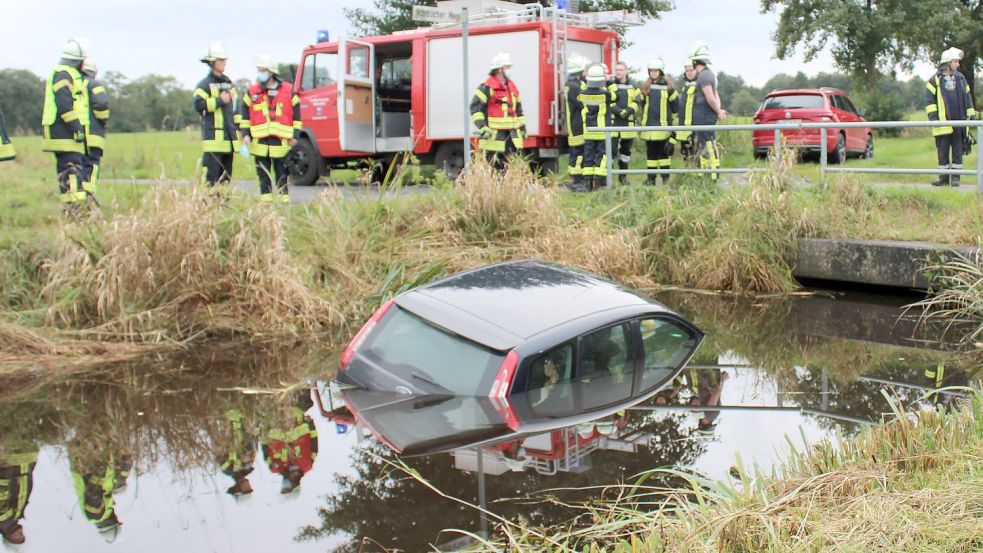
[(95, 128), (575, 119), (63, 121), (597, 100), (707, 109), (496, 111), (215, 100), (628, 104), (270, 124), (947, 98), (660, 99)]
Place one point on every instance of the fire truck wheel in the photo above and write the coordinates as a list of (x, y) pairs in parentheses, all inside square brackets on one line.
[(303, 163), (450, 158)]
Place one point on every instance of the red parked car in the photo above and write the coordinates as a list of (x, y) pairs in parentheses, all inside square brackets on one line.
[(814, 105)]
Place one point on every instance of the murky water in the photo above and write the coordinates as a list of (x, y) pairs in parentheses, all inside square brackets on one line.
[(160, 457)]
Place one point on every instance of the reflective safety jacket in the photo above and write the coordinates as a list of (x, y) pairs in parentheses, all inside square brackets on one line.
[(65, 110), (271, 117), (16, 482), (497, 105), (7, 151), (660, 105), (955, 104), (686, 99), (597, 102), (98, 100), (575, 116), (627, 98), (219, 122), (292, 448)]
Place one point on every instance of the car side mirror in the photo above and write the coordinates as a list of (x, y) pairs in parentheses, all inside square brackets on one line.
[(863, 112)]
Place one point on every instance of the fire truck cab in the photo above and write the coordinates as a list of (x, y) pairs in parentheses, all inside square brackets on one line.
[(365, 101)]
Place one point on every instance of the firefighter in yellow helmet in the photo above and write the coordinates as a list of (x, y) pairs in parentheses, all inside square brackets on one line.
[(7, 151), (947, 98), (64, 119), (597, 100), (496, 111), (575, 120), (95, 130), (707, 109), (215, 100), (270, 123)]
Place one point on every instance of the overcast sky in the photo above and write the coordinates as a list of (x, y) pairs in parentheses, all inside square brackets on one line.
[(168, 37)]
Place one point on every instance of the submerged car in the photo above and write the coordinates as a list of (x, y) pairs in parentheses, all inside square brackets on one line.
[(516, 327)]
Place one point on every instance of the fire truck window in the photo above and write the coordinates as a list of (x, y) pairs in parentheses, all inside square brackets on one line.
[(358, 62), (318, 70)]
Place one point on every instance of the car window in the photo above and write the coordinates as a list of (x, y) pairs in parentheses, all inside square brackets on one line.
[(837, 101), (666, 345), (413, 349), (606, 366), (358, 61), (848, 105), (552, 367), (318, 70), (794, 101)]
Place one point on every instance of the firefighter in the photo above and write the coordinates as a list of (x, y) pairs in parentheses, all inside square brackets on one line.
[(575, 121), (65, 110), (947, 98), (237, 462), (597, 100), (707, 109), (660, 98), (291, 452), (270, 123), (628, 103), (95, 130), (7, 151), (16, 483), (215, 100), (496, 111), (684, 110), (95, 483)]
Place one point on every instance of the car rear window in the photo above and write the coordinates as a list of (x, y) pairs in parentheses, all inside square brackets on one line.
[(794, 101), (411, 348)]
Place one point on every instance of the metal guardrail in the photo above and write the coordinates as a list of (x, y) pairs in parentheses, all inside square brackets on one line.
[(777, 128)]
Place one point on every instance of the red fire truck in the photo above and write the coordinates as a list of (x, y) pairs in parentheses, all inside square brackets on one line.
[(364, 101)]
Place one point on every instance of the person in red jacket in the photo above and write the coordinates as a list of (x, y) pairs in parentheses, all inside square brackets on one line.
[(496, 112), (270, 124), (291, 451)]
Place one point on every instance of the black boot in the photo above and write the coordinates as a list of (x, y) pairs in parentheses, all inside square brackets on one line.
[(578, 184), (590, 183), (651, 180), (665, 179)]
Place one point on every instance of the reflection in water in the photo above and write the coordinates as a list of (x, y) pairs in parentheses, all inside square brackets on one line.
[(171, 453)]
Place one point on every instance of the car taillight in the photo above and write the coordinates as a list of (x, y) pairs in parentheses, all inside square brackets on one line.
[(503, 381), (346, 357)]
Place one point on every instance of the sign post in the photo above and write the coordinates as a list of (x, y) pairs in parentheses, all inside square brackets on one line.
[(429, 14)]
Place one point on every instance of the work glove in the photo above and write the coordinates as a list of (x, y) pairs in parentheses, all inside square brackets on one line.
[(669, 148), (80, 135), (623, 114), (485, 132)]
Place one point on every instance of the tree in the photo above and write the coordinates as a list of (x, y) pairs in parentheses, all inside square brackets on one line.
[(21, 99), (743, 103), (390, 16)]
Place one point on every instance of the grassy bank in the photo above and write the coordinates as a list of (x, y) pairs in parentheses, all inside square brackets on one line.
[(911, 484)]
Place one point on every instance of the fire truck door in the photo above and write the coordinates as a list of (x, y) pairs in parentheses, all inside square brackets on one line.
[(356, 96)]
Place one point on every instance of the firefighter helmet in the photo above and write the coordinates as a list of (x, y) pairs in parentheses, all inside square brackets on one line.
[(576, 64), (265, 61), (89, 67), (951, 54), (501, 59), (701, 52), (216, 51), (596, 73), (657, 63), (75, 49)]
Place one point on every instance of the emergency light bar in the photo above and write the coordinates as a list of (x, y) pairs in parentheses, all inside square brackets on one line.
[(322, 36)]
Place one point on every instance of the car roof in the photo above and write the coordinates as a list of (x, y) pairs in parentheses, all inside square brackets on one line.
[(817, 91), (504, 304)]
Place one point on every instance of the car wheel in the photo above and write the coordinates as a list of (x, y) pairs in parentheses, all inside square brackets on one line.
[(304, 163), (869, 150), (839, 153), (450, 158)]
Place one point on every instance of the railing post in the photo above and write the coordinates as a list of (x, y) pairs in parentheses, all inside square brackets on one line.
[(823, 153), (609, 181), (777, 145), (979, 158)]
